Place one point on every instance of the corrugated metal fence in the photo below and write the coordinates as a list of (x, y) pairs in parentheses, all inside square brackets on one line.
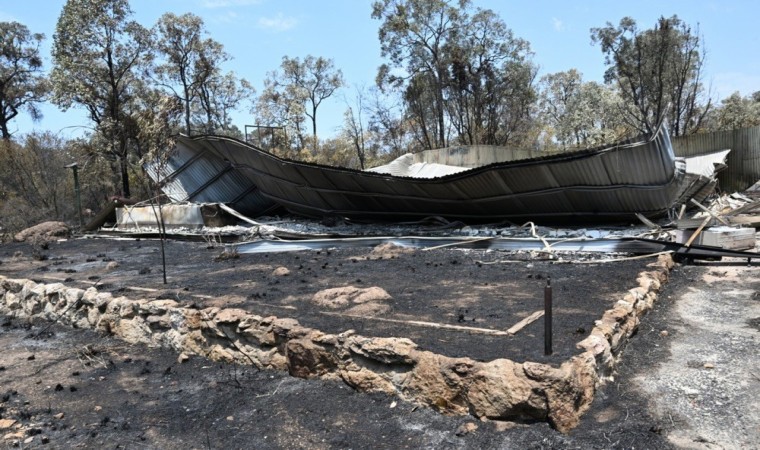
[(743, 162)]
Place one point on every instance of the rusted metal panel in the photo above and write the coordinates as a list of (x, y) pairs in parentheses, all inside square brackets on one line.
[(743, 162)]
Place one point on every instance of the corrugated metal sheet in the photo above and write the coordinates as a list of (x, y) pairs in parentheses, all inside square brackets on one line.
[(609, 183), (743, 162), (621, 245), (471, 156), (194, 174), (405, 166)]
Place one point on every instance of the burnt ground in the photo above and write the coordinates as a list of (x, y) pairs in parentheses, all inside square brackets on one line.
[(68, 388), (76, 389), (445, 286)]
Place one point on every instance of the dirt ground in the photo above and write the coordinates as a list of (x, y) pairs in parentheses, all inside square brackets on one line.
[(445, 286), (694, 386)]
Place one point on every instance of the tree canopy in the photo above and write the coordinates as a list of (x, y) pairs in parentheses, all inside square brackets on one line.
[(464, 76), (22, 83), (581, 114), (736, 111), (295, 92), (99, 55), (452, 74), (189, 61), (658, 71)]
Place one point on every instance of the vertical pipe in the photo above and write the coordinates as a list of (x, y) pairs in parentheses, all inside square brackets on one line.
[(548, 317)]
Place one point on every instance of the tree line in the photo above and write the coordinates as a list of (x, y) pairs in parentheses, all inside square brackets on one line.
[(453, 74)]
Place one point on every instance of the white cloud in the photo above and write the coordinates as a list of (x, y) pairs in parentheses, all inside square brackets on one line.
[(228, 3), (278, 23), (558, 24)]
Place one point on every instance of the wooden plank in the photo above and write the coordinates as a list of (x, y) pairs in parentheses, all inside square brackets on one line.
[(693, 224), (696, 233), (681, 211), (420, 323), (525, 322), (729, 238), (715, 216), (749, 207), (690, 224), (753, 221)]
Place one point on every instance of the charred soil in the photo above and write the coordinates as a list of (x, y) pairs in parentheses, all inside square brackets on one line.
[(67, 388)]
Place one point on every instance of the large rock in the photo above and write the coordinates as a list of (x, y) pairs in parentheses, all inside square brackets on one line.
[(369, 301), (43, 232), (500, 390)]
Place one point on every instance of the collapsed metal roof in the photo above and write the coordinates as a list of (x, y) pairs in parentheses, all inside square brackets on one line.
[(195, 173), (640, 175)]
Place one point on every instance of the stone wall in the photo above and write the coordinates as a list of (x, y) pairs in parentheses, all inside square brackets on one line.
[(498, 390)]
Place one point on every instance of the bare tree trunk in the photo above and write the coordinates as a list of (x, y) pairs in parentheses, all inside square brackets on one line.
[(124, 176)]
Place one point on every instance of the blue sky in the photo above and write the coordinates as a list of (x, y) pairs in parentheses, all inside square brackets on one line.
[(258, 33)]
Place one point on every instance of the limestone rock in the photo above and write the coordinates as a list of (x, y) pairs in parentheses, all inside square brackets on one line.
[(306, 359), (466, 428), (14, 435), (385, 350), (230, 316), (499, 388), (569, 391), (133, 330), (342, 297), (370, 309), (43, 232), (281, 272), (366, 380), (427, 383), (389, 250)]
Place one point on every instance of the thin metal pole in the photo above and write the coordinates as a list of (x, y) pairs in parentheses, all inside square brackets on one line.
[(548, 317)]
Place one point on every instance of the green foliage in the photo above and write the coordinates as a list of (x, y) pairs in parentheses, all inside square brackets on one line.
[(22, 84), (34, 185), (658, 72), (99, 55), (465, 77), (189, 60), (217, 98), (391, 132), (581, 114), (736, 112), (294, 93), (191, 70)]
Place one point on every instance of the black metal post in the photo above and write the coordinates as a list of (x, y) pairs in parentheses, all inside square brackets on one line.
[(548, 317)]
